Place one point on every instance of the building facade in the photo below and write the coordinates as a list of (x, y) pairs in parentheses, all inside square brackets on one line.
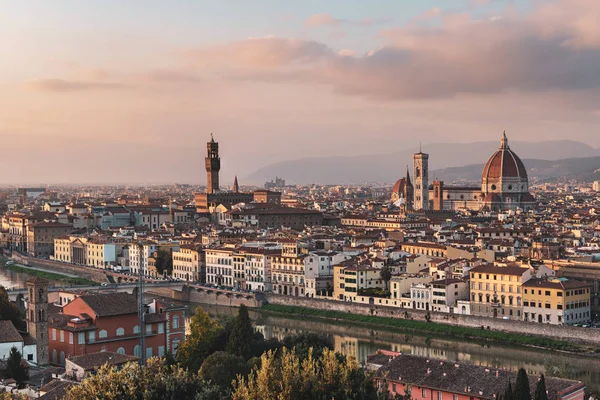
[(556, 301)]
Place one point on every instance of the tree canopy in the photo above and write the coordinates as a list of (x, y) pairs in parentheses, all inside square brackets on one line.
[(202, 341), (15, 368), (522, 390), (242, 340), (10, 311), (540, 389)]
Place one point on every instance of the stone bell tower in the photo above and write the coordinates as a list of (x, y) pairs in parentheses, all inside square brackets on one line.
[(213, 166), (421, 176), (37, 316)]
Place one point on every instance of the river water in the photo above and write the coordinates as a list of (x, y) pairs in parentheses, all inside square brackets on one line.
[(360, 342), (15, 280)]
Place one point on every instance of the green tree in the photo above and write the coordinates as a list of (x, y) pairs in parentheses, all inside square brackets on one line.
[(508, 394), (202, 341), (303, 342), (155, 381), (242, 340), (15, 368), (10, 311), (522, 389), (222, 368), (285, 376), (164, 262), (385, 274), (540, 389)]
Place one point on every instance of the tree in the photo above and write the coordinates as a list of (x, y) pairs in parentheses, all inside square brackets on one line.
[(303, 342), (508, 394), (10, 311), (154, 381), (222, 368), (164, 262), (540, 390), (202, 341), (285, 376), (522, 390), (242, 340), (15, 368), (385, 274)]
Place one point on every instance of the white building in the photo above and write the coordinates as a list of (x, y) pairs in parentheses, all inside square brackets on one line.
[(596, 186), (135, 256), (10, 337), (257, 268), (446, 292), (219, 266), (318, 271), (420, 296)]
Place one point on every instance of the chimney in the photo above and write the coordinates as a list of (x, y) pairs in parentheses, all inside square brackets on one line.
[(497, 372)]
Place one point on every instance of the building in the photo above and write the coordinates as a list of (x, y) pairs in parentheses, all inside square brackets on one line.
[(596, 186), (219, 266), (10, 337), (425, 378), (556, 301), (189, 264), (288, 270), (421, 174), (139, 256), (350, 279), (214, 196), (41, 235), (403, 189), (83, 366), (258, 268), (109, 322), (37, 317), (497, 291), (445, 293), (264, 216)]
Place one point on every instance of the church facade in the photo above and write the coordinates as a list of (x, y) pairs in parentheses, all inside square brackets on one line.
[(504, 186)]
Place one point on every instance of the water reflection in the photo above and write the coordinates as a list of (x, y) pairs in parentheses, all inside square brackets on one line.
[(16, 280), (360, 342)]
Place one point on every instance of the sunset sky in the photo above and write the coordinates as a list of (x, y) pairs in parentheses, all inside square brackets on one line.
[(141, 84)]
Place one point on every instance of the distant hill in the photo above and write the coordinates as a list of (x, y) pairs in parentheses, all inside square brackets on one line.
[(585, 169), (389, 167)]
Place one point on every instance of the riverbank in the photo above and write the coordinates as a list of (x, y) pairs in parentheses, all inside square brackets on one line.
[(71, 280), (429, 328)]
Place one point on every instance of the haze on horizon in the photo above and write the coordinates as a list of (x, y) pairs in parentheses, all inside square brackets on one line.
[(129, 91)]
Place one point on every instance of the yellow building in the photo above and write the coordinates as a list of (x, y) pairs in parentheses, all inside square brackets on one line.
[(497, 291), (62, 249), (188, 263), (556, 301), (349, 280)]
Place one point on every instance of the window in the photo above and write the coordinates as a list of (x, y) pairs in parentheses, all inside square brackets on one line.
[(136, 329), (148, 329), (53, 334), (175, 322), (148, 352), (81, 338), (102, 334), (70, 337), (455, 397), (439, 396), (62, 336), (161, 328), (136, 351), (424, 393), (161, 351), (120, 332), (92, 336)]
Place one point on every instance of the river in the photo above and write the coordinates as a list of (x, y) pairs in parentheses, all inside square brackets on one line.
[(13, 280), (361, 342)]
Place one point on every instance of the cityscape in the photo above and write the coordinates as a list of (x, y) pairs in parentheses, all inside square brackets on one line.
[(307, 233)]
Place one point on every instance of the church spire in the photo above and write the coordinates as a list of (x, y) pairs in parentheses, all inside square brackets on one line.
[(236, 186), (408, 177)]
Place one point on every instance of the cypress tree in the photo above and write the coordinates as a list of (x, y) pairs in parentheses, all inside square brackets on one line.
[(540, 390), (522, 391), (508, 394), (242, 340)]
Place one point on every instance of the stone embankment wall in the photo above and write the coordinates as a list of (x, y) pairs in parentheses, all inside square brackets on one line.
[(50, 266), (568, 333), (210, 296)]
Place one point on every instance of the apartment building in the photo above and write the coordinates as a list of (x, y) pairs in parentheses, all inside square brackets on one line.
[(556, 301), (289, 270), (139, 256), (219, 266), (258, 268), (41, 235), (189, 264), (497, 291)]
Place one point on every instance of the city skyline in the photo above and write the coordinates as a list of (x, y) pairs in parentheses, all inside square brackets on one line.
[(121, 89)]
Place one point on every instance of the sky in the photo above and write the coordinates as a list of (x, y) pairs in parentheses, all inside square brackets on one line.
[(130, 90)]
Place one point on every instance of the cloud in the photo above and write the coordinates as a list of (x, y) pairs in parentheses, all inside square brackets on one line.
[(533, 52), (329, 20), (64, 85)]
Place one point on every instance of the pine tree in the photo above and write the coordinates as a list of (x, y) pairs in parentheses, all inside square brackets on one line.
[(540, 390), (522, 390), (242, 339), (14, 367)]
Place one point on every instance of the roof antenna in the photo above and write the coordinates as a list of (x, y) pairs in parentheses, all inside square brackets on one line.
[(420, 148)]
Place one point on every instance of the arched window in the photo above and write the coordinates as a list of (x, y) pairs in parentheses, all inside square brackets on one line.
[(136, 329), (62, 358), (102, 334), (175, 345), (54, 357), (120, 332), (32, 316), (175, 322), (136, 351), (120, 350)]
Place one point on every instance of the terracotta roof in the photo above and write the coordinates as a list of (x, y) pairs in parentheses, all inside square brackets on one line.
[(93, 361), (8, 333), (504, 163), (493, 269), (109, 304)]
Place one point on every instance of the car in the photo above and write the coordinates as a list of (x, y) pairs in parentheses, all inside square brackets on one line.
[(104, 284), (10, 262)]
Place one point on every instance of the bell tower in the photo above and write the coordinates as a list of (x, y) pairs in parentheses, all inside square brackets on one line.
[(421, 176), (37, 316), (213, 166)]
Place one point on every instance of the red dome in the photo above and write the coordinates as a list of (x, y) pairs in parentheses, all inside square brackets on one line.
[(399, 186), (504, 163), (492, 198)]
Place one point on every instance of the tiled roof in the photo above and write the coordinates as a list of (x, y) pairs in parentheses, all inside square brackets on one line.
[(109, 304), (96, 360), (8, 333)]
